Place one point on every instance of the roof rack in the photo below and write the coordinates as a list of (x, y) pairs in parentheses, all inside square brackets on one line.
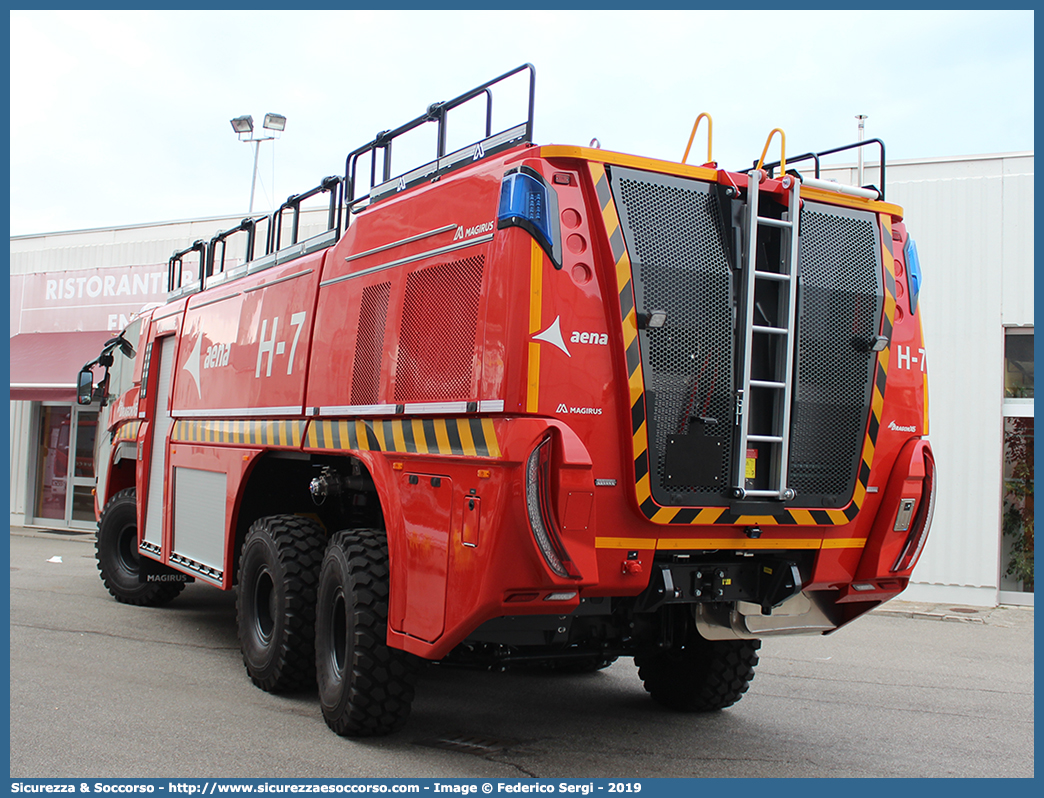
[(212, 254), (215, 264), (175, 264), (815, 156), (389, 183), (211, 269), (330, 184)]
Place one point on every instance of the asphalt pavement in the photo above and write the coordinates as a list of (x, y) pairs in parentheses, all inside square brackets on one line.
[(101, 689)]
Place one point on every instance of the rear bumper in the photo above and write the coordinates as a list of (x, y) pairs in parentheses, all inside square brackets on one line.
[(775, 579)]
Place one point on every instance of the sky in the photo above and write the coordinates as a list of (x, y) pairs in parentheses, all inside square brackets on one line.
[(122, 117)]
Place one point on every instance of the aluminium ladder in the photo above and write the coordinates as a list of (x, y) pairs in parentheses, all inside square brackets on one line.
[(780, 384)]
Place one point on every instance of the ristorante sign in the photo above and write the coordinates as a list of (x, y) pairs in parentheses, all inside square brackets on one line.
[(86, 299)]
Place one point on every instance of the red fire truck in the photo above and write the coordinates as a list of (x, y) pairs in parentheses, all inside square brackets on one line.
[(534, 405)]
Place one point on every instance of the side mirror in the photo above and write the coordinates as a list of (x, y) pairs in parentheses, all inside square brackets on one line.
[(85, 387), (125, 346)]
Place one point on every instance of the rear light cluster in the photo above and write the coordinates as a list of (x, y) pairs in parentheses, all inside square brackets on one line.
[(922, 520), (541, 517)]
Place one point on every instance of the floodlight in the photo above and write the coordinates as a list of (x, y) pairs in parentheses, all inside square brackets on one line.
[(275, 121), (244, 124)]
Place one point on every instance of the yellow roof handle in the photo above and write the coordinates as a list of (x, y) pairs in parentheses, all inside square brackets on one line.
[(710, 131), (782, 150)]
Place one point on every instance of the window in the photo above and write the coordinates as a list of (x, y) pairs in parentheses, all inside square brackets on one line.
[(1017, 518), (1018, 364), (1016, 565)]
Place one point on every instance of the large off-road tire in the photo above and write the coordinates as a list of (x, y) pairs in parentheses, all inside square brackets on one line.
[(703, 676), (118, 558), (365, 687), (275, 605)]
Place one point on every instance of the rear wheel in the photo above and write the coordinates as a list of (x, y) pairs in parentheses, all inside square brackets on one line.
[(701, 676), (275, 607), (365, 687), (120, 563)]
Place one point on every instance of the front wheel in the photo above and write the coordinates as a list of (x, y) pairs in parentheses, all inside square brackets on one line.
[(120, 563), (703, 676), (365, 687)]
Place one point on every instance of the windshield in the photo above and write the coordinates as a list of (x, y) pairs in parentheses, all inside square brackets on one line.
[(121, 372)]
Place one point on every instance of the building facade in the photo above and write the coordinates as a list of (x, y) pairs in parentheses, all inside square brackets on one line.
[(972, 219)]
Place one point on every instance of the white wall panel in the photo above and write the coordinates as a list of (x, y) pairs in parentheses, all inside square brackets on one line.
[(21, 459), (1017, 306), (957, 226), (136, 245)]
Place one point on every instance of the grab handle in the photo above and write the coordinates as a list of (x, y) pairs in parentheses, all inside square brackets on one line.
[(710, 131), (782, 150)]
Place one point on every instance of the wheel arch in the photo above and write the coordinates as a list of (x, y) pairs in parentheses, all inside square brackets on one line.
[(279, 482), (122, 476)]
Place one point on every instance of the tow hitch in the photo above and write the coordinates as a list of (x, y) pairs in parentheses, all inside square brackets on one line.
[(767, 583)]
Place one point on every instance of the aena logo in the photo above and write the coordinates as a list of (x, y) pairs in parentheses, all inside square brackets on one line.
[(553, 335), (602, 339)]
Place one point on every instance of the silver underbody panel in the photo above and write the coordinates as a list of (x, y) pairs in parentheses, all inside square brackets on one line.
[(800, 614)]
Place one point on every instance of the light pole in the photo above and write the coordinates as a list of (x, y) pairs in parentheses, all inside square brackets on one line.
[(859, 169), (245, 124)]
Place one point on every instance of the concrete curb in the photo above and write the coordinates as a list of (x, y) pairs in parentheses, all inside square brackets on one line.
[(966, 614), (52, 534), (955, 614)]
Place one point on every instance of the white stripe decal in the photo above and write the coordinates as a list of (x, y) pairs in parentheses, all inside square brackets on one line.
[(418, 408), (421, 256), (357, 410), (413, 409), (409, 240), (234, 412)]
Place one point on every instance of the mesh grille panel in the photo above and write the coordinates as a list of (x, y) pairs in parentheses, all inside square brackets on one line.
[(674, 231), (839, 314), (369, 347), (443, 298), (680, 266)]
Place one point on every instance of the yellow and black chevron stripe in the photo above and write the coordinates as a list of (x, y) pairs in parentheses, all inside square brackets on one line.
[(639, 436), (248, 432), (629, 322), (464, 437), (127, 432)]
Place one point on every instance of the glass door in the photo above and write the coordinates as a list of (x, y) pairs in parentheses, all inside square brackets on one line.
[(65, 467), (52, 469), (81, 502)]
